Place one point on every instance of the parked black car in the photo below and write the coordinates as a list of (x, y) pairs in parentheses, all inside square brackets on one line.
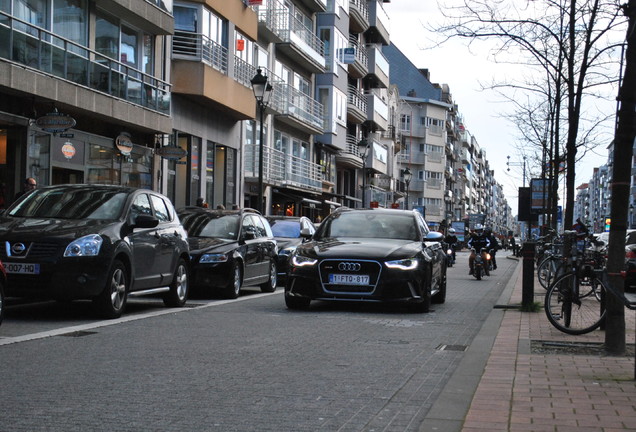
[(376, 255), (286, 230), (96, 242), (230, 249)]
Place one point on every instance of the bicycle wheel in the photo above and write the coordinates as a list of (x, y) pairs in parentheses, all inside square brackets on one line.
[(572, 307), (547, 271)]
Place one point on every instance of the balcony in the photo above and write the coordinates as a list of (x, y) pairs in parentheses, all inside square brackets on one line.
[(281, 169), (360, 66), (296, 108), (377, 112), (378, 76), (356, 105), (315, 5), (200, 72), (292, 37), (379, 24), (448, 172), (83, 79), (358, 16), (351, 157)]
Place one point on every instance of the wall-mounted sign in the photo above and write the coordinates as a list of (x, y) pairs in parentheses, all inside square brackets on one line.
[(124, 143), (172, 152), (68, 150), (55, 122)]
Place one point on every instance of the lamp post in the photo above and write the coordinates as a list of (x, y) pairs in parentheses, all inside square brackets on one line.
[(262, 92), (521, 164), (363, 148), (408, 176)]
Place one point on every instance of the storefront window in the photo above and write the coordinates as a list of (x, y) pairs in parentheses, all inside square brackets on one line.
[(209, 172), (100, 165), (195, 157), (38, 154)]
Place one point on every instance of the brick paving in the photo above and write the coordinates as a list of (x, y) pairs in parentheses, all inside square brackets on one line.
[(526, 390)]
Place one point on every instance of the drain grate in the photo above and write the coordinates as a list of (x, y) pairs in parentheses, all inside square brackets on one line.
[(79, 333), (444, 347)]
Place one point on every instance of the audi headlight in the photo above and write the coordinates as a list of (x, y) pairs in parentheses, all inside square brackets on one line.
[(85, 246), (303, 261), (213, 258), (403, 264)]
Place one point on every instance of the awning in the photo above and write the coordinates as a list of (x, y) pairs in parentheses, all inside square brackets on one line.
[(333, 203), (310, 201)]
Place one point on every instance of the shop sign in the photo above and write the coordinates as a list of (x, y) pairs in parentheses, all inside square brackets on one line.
[(172, 152), (55, 122), (123, 143), (68, 150)]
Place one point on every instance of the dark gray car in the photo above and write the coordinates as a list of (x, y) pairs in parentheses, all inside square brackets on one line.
[(96, 242)]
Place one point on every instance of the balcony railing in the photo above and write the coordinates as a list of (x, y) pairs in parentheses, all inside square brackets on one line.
[(288, 100), (42, 50), (356, 98), (290, 29), (244, 72), (361, 52), (198, 47), (362, 7), (280, 168)]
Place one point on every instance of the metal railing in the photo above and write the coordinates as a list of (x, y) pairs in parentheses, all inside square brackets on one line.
[(356, 98), (290, 101), (199, 47), (360, 50), (362, 7), (282, 23), (40, 49), (283, 169)]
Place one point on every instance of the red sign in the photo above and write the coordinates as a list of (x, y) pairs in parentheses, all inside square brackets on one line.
[(240, 44), (255, 2)]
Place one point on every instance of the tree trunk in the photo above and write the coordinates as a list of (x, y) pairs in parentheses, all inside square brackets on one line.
[(623, 145)]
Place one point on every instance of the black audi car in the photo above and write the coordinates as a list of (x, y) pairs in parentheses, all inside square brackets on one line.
[(287, 232), (98, 242), (373, 255), (230, 249)]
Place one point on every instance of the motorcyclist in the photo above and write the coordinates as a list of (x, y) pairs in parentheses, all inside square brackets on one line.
[(494, 246), (478, 242), (451, 240)]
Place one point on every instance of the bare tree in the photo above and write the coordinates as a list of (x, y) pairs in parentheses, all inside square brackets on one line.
[(570, 44)]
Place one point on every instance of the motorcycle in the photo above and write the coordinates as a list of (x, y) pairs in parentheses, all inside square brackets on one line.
[(450, 256), (480, 265)]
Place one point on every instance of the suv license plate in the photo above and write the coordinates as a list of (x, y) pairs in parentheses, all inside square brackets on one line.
[(348, 279), (22, 268)]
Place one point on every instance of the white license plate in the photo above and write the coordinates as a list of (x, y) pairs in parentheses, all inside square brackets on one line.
[(22, 268), (349, 279)]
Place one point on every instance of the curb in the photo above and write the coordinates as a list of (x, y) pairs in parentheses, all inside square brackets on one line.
[(449, 410)]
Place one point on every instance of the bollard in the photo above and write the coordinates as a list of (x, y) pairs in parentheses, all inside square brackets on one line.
[(527, 293)]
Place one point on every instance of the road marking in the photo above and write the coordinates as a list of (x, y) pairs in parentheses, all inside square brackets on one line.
[(124, 319)]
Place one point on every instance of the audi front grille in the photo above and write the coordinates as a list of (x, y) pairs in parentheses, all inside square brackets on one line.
[(349, 276)]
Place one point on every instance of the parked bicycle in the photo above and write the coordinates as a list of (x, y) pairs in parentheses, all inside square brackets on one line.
[(574, 300)]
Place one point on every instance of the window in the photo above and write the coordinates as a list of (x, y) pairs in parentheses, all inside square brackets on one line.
[(70, 20), (161, 210), (340, 106), (106, 37), (140, 206), (405, 122)]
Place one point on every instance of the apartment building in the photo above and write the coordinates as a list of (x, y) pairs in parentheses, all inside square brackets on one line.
[(84, 91), (214, 57)]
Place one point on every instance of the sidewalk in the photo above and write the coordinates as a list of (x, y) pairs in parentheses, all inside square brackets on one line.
[(528, 385)]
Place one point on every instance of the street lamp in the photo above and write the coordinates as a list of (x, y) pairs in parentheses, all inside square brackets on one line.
[(408, 176), (522, 164), (262, 92), (363, 148)]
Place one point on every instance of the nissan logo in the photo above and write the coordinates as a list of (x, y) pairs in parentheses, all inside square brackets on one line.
[(18, 248), (349, 266)]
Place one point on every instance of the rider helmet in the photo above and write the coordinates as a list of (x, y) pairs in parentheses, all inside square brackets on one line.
[(451, 230), (479, 228)]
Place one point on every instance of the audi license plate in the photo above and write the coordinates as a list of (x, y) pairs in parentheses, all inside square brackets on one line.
[(348, 279), (22, 268)]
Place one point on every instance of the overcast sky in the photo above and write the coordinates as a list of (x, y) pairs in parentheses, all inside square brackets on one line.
[(454, 64)]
